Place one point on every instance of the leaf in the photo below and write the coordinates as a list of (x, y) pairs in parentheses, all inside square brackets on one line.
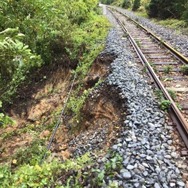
[(1, 115), (21, 35), (9, 31), (101, 175), (38, 168), (1, 175)]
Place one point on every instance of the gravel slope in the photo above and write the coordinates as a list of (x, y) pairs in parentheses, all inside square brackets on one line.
[(145, 143)]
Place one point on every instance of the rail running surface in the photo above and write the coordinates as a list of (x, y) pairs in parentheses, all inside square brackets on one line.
[(152, 51)]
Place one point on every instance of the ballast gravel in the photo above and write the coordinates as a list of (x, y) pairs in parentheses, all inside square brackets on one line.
[(149, 159), (177, 40), (145, 142)]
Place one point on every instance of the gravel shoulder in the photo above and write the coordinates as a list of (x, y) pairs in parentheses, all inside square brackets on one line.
[(178, 41)]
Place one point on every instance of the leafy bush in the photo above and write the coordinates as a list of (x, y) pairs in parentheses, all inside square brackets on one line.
[(166, 9), (167, 69), (107, 2), (165, 105), (14, 53), (15, 60), (31, 154), (126, 4), (111, 167), (136, 5), (33, 32), (95, 28), (4, 119), (5, 174), (45, 175), (173, 23), (76, 103), (185, 14), (172, 94)]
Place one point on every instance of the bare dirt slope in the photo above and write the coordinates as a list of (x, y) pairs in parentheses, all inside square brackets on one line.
[(38, 104)]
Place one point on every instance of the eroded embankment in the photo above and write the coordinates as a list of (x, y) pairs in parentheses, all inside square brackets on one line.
[(36, 110), (101, 116), (33, 110)]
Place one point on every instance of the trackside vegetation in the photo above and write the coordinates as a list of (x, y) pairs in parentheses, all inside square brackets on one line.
[(37, 33)]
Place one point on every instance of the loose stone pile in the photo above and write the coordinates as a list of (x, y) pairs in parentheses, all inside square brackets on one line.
[(180, 42), (89, 141)]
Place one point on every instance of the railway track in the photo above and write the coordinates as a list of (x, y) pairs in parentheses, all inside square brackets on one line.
[(166, 66)]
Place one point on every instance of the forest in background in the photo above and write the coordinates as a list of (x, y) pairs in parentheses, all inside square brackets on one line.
[(161, 9)]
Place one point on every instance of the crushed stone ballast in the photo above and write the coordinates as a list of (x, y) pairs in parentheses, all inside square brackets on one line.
[(145, 143)]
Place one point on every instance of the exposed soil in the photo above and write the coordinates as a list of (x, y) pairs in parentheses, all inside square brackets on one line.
[(33, 108), (36, 108), (101, 112), (100, 124)]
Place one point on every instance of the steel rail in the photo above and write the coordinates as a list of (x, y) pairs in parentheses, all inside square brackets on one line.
[(176, 115), (175, 52)]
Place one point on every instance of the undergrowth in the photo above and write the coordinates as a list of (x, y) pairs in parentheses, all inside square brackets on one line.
[(36, 33), (184, 69), (179, 25), (163, 103), (94, 39), (59, 30), (46, 175), (4, 119)]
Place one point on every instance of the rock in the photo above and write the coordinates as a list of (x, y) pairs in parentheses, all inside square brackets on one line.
[(180, 183), (115, 147), (126, 175), (167, 156), (156, 185), (130, 167), (146, 165), (142, 155), (165, 185), (149, 158), (126, 161), (145, 173), (172, 184), (136, 185), (174, 155)]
